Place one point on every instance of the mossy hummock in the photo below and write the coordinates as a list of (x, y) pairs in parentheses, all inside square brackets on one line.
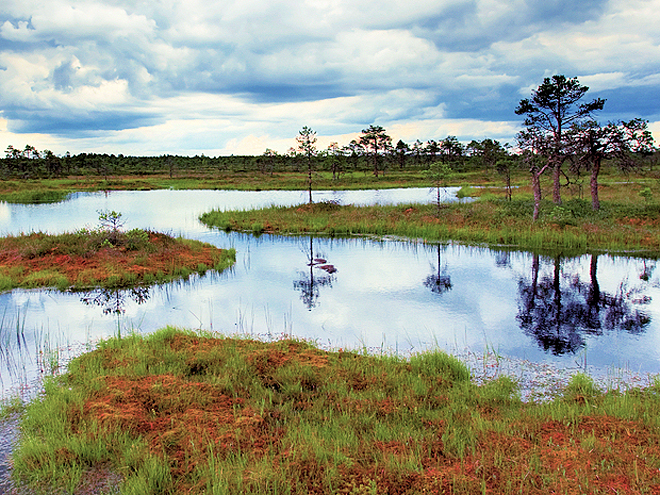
[(180, 412), (90, 259)]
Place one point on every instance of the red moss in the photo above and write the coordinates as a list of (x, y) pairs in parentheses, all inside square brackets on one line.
[(569, 459), (166, 257), (177, 417), (180, 418)]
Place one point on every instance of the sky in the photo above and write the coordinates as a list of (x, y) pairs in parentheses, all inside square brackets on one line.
[(237, 77)]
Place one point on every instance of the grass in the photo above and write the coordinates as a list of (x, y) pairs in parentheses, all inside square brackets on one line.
[(619, 227), (53, 190), (102, 258), (35, 196), (184, 412)]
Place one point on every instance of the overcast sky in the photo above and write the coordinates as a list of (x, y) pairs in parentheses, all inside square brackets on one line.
[(237, 77)]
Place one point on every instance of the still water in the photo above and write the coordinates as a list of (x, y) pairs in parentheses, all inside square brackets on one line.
[(593, 313), (599, 313)]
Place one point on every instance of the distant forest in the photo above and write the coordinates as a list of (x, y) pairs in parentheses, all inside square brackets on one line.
[(488, 154)]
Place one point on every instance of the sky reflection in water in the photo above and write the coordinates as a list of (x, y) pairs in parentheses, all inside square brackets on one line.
[(399, 296)]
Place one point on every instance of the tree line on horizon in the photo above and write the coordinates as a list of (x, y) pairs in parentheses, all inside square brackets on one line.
[(373, 152), (559, 129)]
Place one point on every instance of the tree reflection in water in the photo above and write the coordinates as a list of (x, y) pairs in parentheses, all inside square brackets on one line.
[(309, 283), (113, 301), (559, 315), (439, 282)]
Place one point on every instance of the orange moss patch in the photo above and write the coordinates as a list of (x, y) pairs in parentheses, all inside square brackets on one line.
[(639, 222), (179, 418), (597, 454), (166, 257), (263, 356)]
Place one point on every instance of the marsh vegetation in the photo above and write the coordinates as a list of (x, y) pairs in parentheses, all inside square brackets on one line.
[(106, 256), (179, 411), (626, 225)]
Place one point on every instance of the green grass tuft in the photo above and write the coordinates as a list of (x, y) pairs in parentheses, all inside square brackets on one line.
[(571, 229), (179, 411)]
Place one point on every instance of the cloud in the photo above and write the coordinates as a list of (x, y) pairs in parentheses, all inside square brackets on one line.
[(604, 81), (57, 95), (475, 25), (81, 124), (234, 75), (64, 22)]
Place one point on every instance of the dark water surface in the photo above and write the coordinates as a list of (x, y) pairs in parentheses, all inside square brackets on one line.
[(595, 313)]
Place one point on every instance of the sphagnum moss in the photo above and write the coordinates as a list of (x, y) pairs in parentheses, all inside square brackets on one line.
[(179, 412), (86, 259)]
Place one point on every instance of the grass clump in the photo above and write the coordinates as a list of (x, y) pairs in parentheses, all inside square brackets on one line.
[(93, 258), (24, 194), (46, 278), (572, 228), (184, 412)]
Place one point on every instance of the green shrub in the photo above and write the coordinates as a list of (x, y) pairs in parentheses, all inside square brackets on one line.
[(136, 239), (439, 363)]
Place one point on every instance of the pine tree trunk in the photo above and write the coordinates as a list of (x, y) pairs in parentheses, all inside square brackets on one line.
[(595, 202), (310, 178), (556, 181), (536, 188)]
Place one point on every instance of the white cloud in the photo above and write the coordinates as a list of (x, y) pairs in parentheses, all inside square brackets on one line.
[(654, 127), (601, 82), (439, 129), (27, 81), (241, 75), (64, 21), (39, 141), (383, 51), (253, 145)]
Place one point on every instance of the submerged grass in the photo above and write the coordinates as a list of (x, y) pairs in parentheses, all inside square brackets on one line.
[(571, 228), (99, 258), (182, 412)]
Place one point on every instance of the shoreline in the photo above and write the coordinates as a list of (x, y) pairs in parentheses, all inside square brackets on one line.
[(250, 395)]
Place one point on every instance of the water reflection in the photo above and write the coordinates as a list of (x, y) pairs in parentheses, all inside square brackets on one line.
[(439, 281), (398, 296), (503, 259), (403, 296), (648, 267), (309, 284), (113, 301), (558, 315)]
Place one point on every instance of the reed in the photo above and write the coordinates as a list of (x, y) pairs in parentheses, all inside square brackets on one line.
[(571, 229), (180, 411)]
